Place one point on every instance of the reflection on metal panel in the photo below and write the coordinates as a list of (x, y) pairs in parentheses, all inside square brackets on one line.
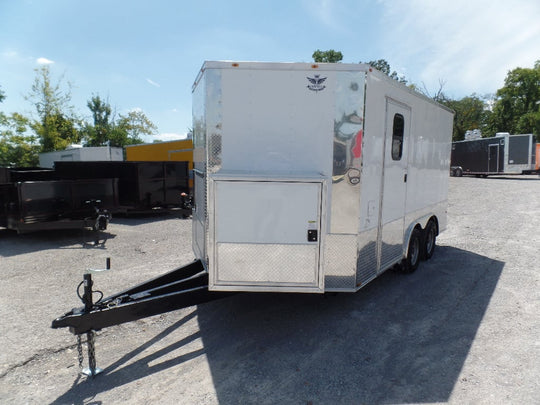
[(367, 257), (347, 152), (340, 262), (264, 264)]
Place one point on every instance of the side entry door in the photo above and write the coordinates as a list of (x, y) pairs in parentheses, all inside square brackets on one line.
[(394, 187), (493, 158)]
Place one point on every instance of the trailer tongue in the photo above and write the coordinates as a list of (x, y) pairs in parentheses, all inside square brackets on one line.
[(183, 287), (180, 288)]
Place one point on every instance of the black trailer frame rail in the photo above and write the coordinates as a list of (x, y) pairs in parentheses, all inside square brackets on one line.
[(183, 287)]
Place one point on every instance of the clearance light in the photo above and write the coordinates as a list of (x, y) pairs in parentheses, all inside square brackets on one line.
[(314, 66), (235, 64)]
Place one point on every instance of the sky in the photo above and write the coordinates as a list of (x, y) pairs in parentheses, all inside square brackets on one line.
[(146, 54)]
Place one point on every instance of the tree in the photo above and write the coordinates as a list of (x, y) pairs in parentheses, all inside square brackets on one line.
[(99, 133), (470, 114), (530, 123), (106, 130), (136, 124), (383, 66), (329, 56), (16, 148), (515, 109), (56, 125)]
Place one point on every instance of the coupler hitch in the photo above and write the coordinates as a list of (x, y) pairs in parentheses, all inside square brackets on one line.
[(88, 301)]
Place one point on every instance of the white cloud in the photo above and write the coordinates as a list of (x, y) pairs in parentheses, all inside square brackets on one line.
[(10, 54), (327, 12), (471, 45), (153, 83), (44, 61)]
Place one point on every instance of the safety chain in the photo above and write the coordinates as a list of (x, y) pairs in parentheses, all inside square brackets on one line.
[(87, 300), (92, 370), (80, 352)]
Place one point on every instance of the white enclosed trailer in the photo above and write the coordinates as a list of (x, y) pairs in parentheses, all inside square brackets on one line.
[(81, 154), (314, 177)]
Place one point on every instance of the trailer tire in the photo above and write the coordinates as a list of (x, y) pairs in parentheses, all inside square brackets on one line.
[(414, 252), (430, 239), (458, 172)]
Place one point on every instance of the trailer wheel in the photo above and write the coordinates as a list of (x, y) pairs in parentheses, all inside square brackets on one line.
[(458, 172), (430, 236), (412, 260)]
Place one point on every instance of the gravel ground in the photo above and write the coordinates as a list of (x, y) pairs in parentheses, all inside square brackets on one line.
[(463, 328)]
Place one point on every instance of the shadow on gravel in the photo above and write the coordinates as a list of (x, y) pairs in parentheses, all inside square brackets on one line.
[(401, 339), (83, 390), (14, 244)]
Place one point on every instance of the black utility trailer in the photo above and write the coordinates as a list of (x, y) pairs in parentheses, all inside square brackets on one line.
[(142, 186), (502, 154), (30, 206), (34, 199)]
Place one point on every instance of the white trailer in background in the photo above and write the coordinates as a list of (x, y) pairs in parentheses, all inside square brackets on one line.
[(314, 177), (81, 154)]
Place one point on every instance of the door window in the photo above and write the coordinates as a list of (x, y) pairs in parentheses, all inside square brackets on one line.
[(397, 136)]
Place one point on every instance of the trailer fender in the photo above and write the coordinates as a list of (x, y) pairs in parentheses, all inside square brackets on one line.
[(419, 224), (407, 237)]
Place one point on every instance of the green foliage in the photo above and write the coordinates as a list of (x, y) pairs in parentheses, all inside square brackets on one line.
[(126, 130), (329, 56), (516, 109), (99, 133), (470, 113), (16, 148), (101, 111), (136, 124), (56, 125), (56, 132), (383, 66)]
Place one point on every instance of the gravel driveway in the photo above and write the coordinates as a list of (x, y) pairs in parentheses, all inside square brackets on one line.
[(464, 328)]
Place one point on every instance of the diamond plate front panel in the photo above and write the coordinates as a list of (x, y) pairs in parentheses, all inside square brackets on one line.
[(340, 262), (267, 264)]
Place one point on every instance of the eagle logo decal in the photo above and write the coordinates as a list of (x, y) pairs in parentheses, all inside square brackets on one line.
[(316, 83)]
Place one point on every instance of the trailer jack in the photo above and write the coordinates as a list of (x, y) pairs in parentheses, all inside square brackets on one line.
[(183, 287)]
